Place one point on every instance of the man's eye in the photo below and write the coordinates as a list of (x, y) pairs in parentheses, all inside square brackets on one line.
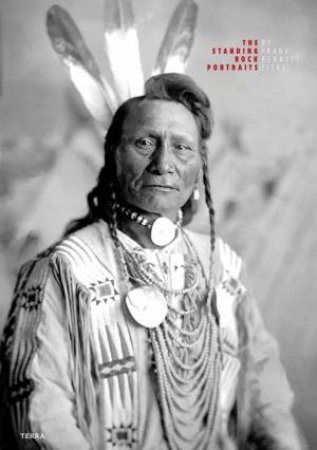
[(182, 147), (145, 143)]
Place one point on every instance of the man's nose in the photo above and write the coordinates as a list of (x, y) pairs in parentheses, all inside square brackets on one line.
[(162, 159)]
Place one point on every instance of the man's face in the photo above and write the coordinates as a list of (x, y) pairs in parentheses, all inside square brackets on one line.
[(158, 159)]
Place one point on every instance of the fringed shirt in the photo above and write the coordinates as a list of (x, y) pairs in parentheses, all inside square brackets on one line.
[(76, 370)]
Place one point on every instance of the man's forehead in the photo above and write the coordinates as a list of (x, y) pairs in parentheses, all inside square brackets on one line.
[(151, 114)]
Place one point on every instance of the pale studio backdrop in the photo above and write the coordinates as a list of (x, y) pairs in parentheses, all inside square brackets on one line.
[(263, 154)]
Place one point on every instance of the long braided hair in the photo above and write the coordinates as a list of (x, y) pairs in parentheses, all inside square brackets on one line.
[(171, 87)]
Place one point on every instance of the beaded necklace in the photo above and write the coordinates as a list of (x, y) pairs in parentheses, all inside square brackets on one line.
[(186, 355), (163, 230)]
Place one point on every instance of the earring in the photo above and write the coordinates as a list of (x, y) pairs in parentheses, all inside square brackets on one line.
[(95, 202), (196, 194), (113, 195)]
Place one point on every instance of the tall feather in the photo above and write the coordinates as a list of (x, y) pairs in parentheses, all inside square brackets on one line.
[(122, 48), (69, 44), (178, 40)]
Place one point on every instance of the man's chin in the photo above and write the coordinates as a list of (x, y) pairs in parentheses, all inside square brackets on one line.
[(160, 208)]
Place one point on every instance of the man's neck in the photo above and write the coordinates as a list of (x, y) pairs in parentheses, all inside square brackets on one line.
[(137, 232)]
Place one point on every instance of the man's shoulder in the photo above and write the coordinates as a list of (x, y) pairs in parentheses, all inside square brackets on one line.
[(82, 256), (86, 246), (93, 236), (76, 248)]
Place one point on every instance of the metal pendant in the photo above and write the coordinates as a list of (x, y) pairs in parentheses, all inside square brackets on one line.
[(163, 231), (147, 305)]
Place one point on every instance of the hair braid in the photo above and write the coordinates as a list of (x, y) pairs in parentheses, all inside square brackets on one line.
[(210, 206), (113, 220), (208, 199)]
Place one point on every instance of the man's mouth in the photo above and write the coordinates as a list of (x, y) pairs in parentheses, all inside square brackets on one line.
[(162, 187)]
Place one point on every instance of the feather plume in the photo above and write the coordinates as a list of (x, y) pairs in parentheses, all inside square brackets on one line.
[(175, 49), (69, 44), (122, 48)]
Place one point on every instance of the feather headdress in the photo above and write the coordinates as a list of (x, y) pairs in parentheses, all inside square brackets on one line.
[(121, 45)]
